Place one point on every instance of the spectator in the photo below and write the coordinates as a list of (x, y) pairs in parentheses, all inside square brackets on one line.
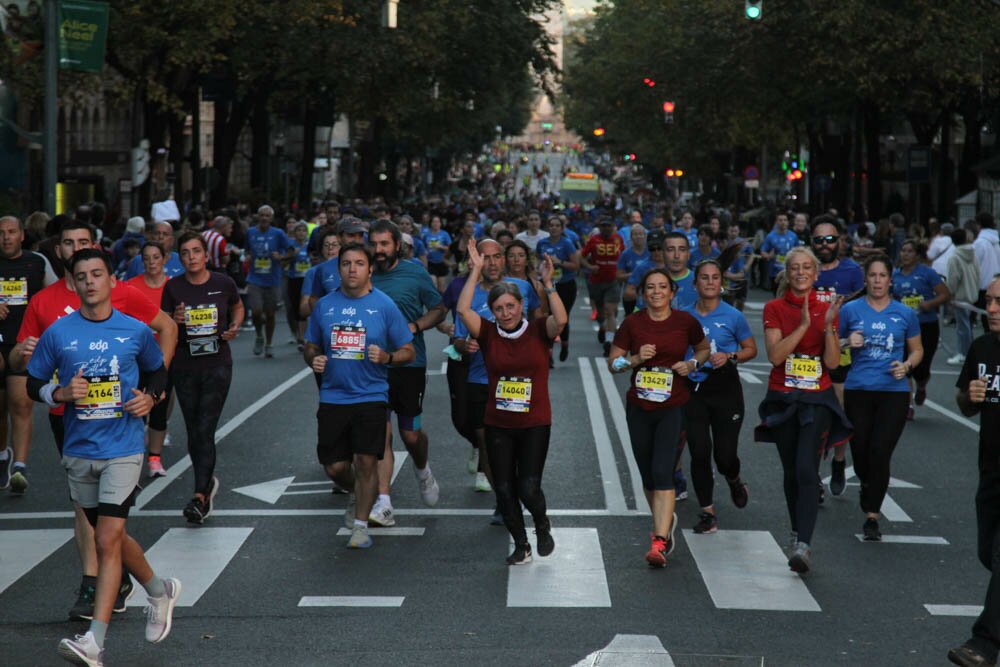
[(135, 229), (963, 280), (987, 247)]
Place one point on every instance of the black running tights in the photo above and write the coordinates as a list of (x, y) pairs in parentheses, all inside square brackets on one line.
[(713, 422), (878, 418), (202, 395), (517, 459), (567, 294), (799, 448)]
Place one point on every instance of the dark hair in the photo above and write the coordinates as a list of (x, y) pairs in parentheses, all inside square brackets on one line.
[(517, 243), (355, 247), (706, 229), (919, 247), (677, 235), (325, 231), (150, 244), (662, 272), (703, 263), (78, 224), (192, 236), (826, 219), (130, 243), (897, 220), (959, 236), (501, 288), (985, 219), (386, 226), (504, 232), (874, 259), (86, 254)]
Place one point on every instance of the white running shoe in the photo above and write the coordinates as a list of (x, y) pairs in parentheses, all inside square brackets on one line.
[(360, 539), (166, 441), (429, 490), (381, 515), (160, 612), (482, 484), (956, 360), (351, 511), (83, 650), (156, 468), (474, 461)]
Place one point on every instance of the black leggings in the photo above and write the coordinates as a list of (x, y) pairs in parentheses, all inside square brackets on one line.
[(517, 458), (567, 294), (654, 435), (158, 415), (458, 374), (294, 296), (878, 418), (799, 449), (930, 333), (721, 410), (202, 395)]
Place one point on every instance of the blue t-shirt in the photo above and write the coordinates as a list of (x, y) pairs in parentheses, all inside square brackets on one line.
[(686, 295), (265, 271), (572, 236), (111, 353), (410, 287), (630, 259), (437, 245), (844, 279), (915, 288), (885, 335), (300, 264), (172, 267), (477, 367), (724, 328), (692, 237), (564, 250), (344, 328), (419, 249), (696, 255), (325, 278), (780, 244), (740, 263), (625, 231)]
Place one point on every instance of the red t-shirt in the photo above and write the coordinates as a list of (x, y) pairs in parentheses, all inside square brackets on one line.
[(808, 371), (154, 294), (654, 386), (604, 253), (518, 374)]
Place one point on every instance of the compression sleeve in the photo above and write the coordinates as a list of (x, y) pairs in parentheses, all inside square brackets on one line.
[(154, 383)]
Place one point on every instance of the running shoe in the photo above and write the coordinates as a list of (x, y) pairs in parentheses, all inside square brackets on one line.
[(473, 464), (429, 490), (822, 493), (156, 468), (671, 543), (196, 510), (521, 555), (739, 492), (967, 656), (956, 360), (657, 554), (872, 533), (838, 481), (483, 484), (19, 481), (268, 352), (83, 608), (82, 650), (801, 558), (910, 414), (707, 523), (497, 518), (543, 538), (125, 593), (351, 512), (360, 539), (160, 612), (593, 314), (920, 395), (563, 352), (258, 345), (607, 349), (338, 490), (381, 515), (680, 485), (5, 471)]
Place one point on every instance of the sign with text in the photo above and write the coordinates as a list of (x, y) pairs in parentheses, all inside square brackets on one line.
[(83, 33)]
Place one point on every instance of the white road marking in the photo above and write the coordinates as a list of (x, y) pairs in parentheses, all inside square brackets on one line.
[(399, 458), (265, 513), (909, 539), (387, 532), (614, 496), (645, 650), (21, 550), (971, 610), (177, 469), (746, 569), (268, 492), (586, 300), (313, 492), (196, 556), (573, 576), (350, 601), (749, 377), (893, 512), (621, 426), (442, 371), (952, 415)]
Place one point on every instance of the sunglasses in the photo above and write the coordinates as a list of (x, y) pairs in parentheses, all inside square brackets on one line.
[(830, 238)]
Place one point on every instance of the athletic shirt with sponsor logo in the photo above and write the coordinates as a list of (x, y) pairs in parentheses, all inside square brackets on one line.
[(885, 334), (518, 372), (785, 314), (20, 280), (206, 317), (111, 353), (916, 287), (604, 253), (983, 362)]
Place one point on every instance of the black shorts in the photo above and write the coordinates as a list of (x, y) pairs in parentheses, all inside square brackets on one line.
[(346, 430), (477, 395), (439, 269), (838, 375), (5, 351), (406, 390)]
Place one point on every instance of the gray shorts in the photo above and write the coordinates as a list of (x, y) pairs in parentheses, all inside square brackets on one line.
[(263, 298), (602, 293), (94, 482)]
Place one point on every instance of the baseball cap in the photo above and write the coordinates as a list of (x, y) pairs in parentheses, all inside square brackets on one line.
[(351, 225)]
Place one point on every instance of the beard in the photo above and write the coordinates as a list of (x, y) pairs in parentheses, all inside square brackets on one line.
[(826, 255), (384, 261)]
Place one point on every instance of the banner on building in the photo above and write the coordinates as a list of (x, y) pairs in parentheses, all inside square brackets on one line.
[(83, 33)]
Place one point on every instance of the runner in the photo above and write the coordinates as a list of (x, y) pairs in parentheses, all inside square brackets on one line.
[(877, 394), (600, 256), (652, 343), (519, 418), (267, 247), (979, 392), (207, 308), (458, 254), (706, 248), (163, 233), (410, 287), (920, 288), (437, 241), (113, 374), (635, 254), (533, 234), (151, 283), (737, 275), (295, 274), (800, 412), (354, 334), (566, 262), (326, 277), (518, 259), (776, 246), (714, 414)]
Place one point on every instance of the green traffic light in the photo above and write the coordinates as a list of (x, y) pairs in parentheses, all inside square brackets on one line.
[(753, 9)]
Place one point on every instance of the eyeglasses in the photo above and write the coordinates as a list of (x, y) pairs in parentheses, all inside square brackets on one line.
[(828, 239)]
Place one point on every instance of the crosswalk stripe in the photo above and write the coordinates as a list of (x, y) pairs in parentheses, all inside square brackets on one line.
[(750, 378), (196, 556), (387, 532), (350, 601), (573, 576), (746, 569), (399, 458), (21, 550), (908, 539), (645, 650), (954, 609)]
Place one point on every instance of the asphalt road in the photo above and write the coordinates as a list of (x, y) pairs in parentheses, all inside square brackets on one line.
[(437, 591)]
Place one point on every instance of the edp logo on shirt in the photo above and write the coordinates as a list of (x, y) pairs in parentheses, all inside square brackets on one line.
[(99, 345)]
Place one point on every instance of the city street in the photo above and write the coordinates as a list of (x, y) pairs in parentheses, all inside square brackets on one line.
[(269, 579)]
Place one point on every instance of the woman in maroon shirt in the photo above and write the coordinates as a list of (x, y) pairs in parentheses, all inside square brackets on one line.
[(652, 343), (518, 416), (800, 412)]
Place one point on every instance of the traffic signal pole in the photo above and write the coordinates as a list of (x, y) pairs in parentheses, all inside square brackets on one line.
[(51, 104)]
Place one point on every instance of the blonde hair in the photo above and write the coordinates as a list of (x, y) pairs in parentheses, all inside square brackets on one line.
[(783, 279)]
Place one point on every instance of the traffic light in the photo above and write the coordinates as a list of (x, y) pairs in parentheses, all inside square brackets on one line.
[(673, 173), (649, 82), (668, 112), (598, 131), (753, 9), (629, 157)]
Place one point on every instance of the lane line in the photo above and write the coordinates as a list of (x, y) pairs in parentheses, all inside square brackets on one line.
[(970, 610), (350, 601), (909, 539), (177, 469), (893, 512), (968, 423), (621, 426), (573, 576), (746, 569), (324, 482), (442, 371), (264, 513), (387, 532), (196, 556), (614, 496), (313, 492), (748, 377), (22, 550)]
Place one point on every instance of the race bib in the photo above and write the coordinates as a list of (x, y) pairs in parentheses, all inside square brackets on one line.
[(556, 274), (347, 342), (262, 265), (654, 384), (103, 399), (845, 357), (826, 295), (913, 302), (802, 372), (435, 244), (780, 259), (14, 291), (513, 394), (201, 320), (302, 267), (200, 347)]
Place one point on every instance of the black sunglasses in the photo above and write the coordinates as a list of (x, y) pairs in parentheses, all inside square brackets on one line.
[(829, 238)]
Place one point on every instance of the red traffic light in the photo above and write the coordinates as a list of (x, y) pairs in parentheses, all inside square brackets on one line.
[(669, 173), (649, 82), (673, 173), (668, 107), (598, 131)]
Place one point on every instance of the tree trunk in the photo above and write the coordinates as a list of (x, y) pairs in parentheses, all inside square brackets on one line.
[(230, 117), (260, 156), (310, 118), (972, 146), (177, 156), (924, 128), (873, 160), (945, 181)]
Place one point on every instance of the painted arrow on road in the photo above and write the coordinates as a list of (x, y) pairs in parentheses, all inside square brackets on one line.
[(271, 491)]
